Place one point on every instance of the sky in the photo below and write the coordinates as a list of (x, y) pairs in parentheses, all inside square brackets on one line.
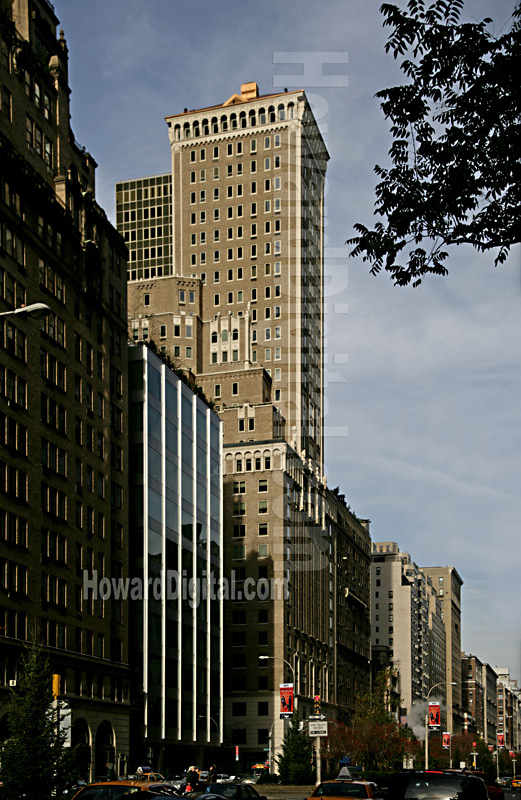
[(423, 385)]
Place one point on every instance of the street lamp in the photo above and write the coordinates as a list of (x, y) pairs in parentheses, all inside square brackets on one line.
[(271, 748), (278, 658), (36, 310), (443, 683), (202, 716)]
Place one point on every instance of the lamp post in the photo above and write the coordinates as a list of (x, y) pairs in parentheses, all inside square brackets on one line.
[(271, 749), (279, 658), (36, 310), (443, 683), (202, 716)]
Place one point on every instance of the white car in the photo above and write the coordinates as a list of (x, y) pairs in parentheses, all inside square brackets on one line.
[(222, 778)]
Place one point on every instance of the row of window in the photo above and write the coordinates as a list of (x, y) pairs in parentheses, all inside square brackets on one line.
[(234, 169), (272, 205), (238, 233), (238, 274), (239, 551), (239, 487), (13, 577), (39, 142), (13, 529), (239, 508), (13, 482), (249, 464), (270, 184), (235, 148), (12, 243), (234, 121), (239, 530)]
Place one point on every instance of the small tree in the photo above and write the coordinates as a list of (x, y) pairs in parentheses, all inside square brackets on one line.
[(33, 755), (295, 762)]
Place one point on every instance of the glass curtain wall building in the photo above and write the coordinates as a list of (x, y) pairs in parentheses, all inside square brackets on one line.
[(176, 558)]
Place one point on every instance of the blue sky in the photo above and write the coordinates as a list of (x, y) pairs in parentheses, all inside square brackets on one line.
[(423, 385)]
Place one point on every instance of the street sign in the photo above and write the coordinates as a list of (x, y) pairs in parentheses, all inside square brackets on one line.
[(314, 717), (317, 728)]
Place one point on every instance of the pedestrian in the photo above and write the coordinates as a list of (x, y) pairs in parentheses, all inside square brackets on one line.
[(192, 779), (212, 774)]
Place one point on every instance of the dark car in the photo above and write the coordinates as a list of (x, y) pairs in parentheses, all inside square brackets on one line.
[(343, 790), (230, 791), (119, 790), (495, 792), (435, 785)]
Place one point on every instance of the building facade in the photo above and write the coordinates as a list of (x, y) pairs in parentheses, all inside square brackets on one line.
[(448, 583), (176, 555), (240, 306), (63, 407), (406, 620)]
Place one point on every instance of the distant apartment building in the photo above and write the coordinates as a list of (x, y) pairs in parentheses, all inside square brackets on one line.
[(63, 397), (406, 620), (240, 306), (176, 553), (448, 583), (508, 709), (479, 698)]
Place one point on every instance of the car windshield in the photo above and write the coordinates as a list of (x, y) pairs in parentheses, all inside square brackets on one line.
[(340, 790)]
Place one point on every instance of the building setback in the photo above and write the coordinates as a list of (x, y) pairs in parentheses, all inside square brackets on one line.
[(63, 407), (240, 306)]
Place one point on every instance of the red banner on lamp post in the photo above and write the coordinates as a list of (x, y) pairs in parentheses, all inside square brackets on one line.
[(286, 700), (501, 740), (434, 716), (446, 740)]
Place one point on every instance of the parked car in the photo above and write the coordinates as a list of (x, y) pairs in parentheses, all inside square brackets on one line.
[(505, 780), (222, 778), (495, 792), (344, 789), (435, 785), (516, 783), (230, 791), (116, 790)]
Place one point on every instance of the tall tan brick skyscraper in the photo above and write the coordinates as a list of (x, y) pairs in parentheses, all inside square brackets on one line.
[(240, 303)]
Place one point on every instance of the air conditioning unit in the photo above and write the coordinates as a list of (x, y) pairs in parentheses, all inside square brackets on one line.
[(12, 683)]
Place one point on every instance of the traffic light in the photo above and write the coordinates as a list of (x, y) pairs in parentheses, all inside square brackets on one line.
[(317, 704), (55, 686)]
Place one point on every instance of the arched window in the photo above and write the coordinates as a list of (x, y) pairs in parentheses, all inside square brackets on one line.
[(235, 334), (224, 123), (252, 117), (205, 127), (282, 111), (197, 131), (215, 125), (186, 130), (214, 337), (224, 335), (291, 111), (262, 116), (177, 132), (242, 119), (233, 121), (271, 114)]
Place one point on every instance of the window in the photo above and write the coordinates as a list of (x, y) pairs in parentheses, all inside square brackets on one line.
[(263, 485), (263, 551), (263, 507), (217, 390), (235, 388), (239, 531)]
